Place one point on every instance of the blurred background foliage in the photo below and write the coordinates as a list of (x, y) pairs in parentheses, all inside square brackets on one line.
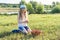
[(35, 8)]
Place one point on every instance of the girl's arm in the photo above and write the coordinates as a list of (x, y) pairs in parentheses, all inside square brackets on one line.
[(27, 17)]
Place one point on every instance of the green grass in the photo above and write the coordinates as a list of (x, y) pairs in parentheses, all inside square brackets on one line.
[(48, 23)]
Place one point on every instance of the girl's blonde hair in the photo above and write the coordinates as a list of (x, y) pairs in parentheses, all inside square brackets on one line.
[(22, 7), (20, 13)]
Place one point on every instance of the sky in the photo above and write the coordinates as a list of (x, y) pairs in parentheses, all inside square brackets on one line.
[(17, 1)]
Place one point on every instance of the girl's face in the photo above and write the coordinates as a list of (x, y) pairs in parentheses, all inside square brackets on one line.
[(23, 10)]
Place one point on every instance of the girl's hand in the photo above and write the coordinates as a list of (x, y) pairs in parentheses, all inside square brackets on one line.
[(26, 21)]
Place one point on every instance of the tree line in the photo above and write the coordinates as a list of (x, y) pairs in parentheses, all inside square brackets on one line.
[(34, 7)]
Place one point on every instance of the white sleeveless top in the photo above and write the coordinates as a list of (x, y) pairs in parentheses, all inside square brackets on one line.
[(21, 20)]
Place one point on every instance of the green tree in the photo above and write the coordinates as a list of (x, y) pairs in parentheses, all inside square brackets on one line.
[(53, 4), (34, 5), (30, 8), (40, 9), (56, 9), (22, 2), (57, 3)]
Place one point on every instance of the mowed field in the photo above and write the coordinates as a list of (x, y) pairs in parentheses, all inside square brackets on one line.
[(49, 24)]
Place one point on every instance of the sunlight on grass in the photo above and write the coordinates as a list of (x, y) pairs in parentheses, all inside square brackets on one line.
[(48, 23)]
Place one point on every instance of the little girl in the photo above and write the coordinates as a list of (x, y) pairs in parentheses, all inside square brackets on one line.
[(23, 20)]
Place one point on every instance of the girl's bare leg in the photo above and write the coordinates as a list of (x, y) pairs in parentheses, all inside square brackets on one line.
[(29, 31)]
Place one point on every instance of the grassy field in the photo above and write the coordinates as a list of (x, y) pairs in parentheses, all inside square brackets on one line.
[(48, 23)]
